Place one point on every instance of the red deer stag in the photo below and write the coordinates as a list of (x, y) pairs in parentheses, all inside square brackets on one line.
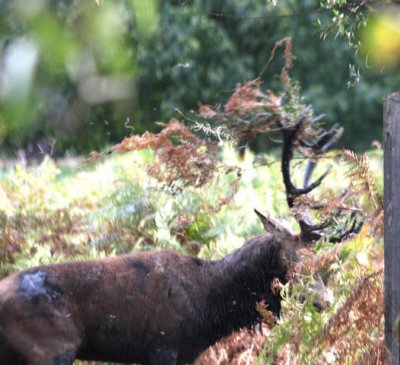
[(152, 308)]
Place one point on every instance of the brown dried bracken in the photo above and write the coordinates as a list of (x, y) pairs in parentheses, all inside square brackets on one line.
[(180, 155), (348, 330), (360, 174), (267, 316), (362, 181), (288, 55), (182, 160), (241, 348)]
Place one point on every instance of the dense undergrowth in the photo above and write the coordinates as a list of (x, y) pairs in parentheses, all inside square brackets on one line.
[(117, 205)]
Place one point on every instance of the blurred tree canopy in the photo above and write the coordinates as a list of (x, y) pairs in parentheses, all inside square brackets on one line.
[(83, 73)]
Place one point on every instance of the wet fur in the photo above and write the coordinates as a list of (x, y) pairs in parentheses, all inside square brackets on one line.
[(153, 308)]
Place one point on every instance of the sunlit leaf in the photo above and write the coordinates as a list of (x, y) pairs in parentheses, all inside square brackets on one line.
[(146, 16), (382, 40)]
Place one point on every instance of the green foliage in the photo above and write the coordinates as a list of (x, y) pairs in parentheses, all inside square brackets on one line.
[(92, 71), (234, 40), (346, 18), (114, 206), (305, 336), (69, 69)]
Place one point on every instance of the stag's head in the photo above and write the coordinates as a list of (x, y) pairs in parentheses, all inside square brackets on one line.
[(303, 136)]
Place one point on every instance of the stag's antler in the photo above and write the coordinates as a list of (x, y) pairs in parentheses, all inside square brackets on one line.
[(312, 232)]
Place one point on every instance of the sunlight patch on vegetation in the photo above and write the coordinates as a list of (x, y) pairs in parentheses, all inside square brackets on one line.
[(114, 206), (382, 39)]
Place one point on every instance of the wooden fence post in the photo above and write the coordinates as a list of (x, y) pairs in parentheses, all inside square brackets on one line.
[(392, 222)]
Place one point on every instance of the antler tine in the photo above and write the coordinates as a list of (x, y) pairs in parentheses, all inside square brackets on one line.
[(312, 232), (354, 229), (325, 140), (289, 136), (317, 119), (321, 145)]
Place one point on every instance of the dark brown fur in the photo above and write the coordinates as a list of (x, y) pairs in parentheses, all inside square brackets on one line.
[(155, 308)]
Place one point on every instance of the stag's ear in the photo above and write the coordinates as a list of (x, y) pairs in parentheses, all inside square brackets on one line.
[(284, 235), (265, 221), (273, 226)]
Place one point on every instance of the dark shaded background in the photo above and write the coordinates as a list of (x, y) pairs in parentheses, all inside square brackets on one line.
[(77, 75)]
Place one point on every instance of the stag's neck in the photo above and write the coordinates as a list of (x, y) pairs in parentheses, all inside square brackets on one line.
[(242, 279)]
